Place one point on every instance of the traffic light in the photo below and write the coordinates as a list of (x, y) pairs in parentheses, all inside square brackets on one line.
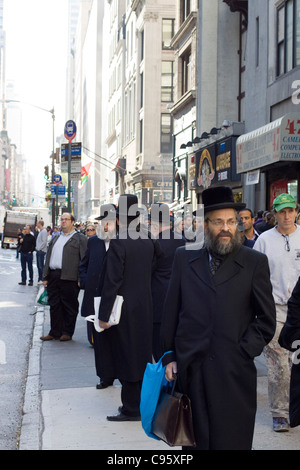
[(46, 172)]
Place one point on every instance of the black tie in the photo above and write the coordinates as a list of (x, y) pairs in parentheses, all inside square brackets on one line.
[(214, 263)]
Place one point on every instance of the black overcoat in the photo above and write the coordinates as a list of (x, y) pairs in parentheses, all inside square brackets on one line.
[(168, 241), (289, 339), (216, 327), (128, 273), (91, 273)]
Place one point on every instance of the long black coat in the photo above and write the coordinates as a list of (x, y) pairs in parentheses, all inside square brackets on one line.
[(289, 334), (216, 327), (168, 241), (91, 273), (129, 344)]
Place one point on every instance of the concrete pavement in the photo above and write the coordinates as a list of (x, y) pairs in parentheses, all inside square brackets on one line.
[(63, 410)]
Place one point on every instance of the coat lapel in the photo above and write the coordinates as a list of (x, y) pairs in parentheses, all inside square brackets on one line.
[(230, 268), (199, 264)]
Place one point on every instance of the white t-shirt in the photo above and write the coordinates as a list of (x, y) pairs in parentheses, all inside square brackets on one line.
[(284, 264)]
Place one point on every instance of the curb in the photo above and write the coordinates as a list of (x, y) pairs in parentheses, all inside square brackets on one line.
[(31, 426)]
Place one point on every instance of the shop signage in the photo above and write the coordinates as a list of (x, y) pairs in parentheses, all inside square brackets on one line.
[(277, 141), (214, 164)]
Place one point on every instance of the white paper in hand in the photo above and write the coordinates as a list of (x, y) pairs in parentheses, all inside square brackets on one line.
[(115, 315)]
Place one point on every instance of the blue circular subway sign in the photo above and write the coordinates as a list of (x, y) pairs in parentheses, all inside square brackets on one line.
[(70, 130), (57, 179)]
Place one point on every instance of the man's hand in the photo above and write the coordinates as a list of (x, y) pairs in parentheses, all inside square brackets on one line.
[(45, 284), (103, 324), (171, 371)]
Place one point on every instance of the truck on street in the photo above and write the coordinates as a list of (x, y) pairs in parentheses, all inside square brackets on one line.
[(13, 222)]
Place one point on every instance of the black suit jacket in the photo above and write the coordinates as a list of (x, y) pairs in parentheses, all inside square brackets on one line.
[(168, 242), (91, 273)]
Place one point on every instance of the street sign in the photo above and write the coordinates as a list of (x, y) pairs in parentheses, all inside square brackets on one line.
[(61, 190), (70, 130), (75, 150), (75, 159), (57, 179)]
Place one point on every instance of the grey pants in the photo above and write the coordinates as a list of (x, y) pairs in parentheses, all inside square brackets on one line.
[(278, 362)]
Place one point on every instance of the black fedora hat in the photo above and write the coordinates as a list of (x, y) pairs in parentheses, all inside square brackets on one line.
[(107, 211), (220, 197), (125, 204)]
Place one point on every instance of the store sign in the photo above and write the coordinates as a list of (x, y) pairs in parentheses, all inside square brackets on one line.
[(277, 141), (215, 164)]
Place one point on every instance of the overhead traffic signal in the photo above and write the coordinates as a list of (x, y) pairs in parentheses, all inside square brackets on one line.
[(46, 172)]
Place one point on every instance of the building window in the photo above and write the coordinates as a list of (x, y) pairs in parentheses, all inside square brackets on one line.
[(288, 36), (141, 90), (185, 9), (257, 42), (167, 78), (166, 133), (185, 71), (141, 135), (167, 32)]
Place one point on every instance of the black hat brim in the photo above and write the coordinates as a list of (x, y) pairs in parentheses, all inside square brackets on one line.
[(225, 205)]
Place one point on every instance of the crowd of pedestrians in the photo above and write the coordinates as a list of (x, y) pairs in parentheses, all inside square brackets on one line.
[(213, 288)]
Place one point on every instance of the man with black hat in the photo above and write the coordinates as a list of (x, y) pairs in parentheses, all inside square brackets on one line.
[(91, 274), (219, 315), (128, 274), (169, 241)]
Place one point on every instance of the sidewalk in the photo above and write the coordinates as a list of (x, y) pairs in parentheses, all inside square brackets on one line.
[(63, 410)]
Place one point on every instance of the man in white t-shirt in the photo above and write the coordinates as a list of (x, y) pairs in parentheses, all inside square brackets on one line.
[(282, 246)]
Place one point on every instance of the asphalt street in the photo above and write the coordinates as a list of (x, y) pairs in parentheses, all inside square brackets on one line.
[(17, 320)]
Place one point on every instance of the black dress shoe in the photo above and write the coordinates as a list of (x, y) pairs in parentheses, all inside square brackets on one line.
[(122, 417), (102, 385), (22, 283)]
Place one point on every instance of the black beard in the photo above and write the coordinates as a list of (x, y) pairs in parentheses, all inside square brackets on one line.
[(214, 245)]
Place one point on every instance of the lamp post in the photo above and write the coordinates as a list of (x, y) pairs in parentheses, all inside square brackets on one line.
[(51, 111)]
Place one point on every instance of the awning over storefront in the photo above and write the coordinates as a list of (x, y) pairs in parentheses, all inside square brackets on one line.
[(277, 141)]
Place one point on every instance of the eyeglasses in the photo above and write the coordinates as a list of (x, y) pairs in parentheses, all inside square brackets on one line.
[(221, 223), (287, 242), (90, 230)]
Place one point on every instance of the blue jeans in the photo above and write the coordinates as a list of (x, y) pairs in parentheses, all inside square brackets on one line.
[(26, 260), (40, 259)]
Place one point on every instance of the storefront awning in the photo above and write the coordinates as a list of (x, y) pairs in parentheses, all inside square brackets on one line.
[(277, 141)]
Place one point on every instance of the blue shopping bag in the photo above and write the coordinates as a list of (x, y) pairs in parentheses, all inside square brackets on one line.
[(153, 381)]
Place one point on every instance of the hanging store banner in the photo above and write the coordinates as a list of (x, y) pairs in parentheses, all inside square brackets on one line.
[(277, 141)]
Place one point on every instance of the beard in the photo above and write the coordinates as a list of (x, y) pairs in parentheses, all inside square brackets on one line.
[(214, 245)]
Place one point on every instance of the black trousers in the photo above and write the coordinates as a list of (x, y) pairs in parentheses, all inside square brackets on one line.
[(130, 397), (97, 353), (63, 301)]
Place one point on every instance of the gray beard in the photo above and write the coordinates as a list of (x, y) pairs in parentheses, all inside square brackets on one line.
[(214, 245)]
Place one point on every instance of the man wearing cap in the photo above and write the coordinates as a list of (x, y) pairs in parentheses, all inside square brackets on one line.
[(91, 275), (219, 314), (128, 345), (281, 244)]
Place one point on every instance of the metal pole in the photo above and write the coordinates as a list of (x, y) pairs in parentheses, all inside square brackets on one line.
[(69, 176)]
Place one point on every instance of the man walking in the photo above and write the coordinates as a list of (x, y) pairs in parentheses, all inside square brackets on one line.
[(128, 346), (219, 314), (61, 279), (168, 241), (281, 244), (27, 247), (91, 274), (41, 249)]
